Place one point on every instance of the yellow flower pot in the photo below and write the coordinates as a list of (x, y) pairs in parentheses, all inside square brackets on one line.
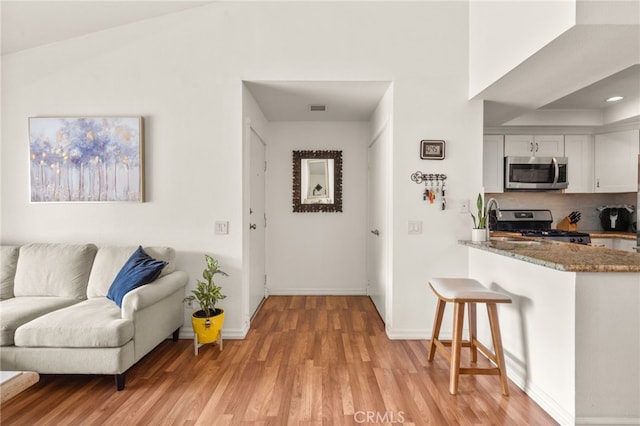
[(208, 330)]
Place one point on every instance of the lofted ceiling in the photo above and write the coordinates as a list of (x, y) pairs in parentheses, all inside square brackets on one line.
[(28, 24), (624, 83), (568, 81), (574, 73)]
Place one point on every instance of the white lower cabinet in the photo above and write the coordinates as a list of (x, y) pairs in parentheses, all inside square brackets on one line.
[(624, 245), (602, 242), (621, 244)]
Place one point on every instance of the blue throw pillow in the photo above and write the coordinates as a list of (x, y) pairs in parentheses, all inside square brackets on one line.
[(139, 270)]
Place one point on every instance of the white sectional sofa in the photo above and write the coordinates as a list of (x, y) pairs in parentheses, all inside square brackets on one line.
[(55, 317)]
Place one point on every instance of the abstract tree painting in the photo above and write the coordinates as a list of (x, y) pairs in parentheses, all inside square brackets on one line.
[(86, 159)]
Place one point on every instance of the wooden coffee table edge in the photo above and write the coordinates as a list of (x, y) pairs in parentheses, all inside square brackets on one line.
[(16, 384)]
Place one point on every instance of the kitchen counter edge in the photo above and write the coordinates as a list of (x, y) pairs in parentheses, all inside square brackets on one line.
[(564, 256)]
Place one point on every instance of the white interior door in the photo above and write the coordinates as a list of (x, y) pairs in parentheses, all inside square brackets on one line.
[(257, 222), (378, 237)]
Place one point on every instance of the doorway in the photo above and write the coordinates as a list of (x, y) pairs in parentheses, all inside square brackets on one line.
[(257, 220), (321, 253), (378, 214)]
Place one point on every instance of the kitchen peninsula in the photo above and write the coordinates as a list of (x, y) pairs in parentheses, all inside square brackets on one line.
[(572, 334)]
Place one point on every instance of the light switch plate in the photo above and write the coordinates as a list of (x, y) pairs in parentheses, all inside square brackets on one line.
[(415, 227), (221, 227)]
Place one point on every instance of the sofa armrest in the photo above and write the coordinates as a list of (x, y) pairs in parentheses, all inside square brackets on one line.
[(150, 294)]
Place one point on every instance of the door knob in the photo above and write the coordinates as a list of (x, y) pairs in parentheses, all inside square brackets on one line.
[(375, 232), (252, 226)]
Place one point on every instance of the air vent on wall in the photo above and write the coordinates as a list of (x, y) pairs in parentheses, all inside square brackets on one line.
[(317, 107)]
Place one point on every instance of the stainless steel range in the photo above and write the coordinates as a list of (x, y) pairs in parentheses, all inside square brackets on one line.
[(534, 223)]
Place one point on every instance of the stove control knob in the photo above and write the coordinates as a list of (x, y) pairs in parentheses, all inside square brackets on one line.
[(573, 240)]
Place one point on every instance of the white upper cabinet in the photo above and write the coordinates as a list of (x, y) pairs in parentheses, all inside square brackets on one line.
[(549, 145), (616, 161), (518, 145), (493, 163), (579, 151), (534, 145)]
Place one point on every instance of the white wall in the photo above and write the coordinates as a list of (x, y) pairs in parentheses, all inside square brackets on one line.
[(503, 34), (538, 328), (317, 253), (184, 73)]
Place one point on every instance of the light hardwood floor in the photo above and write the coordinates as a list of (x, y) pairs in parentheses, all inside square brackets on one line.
[(308, 360)]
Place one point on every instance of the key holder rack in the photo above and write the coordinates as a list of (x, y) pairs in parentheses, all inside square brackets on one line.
[(434, 186), (419, 177)]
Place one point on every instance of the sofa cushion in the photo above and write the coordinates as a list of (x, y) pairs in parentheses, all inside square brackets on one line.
[(54, 270), (93, 323), (110, 260), (20, 310), (8, 262), (139, 270)]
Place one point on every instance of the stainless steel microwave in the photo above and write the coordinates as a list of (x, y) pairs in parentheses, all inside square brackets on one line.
[(535, 173)]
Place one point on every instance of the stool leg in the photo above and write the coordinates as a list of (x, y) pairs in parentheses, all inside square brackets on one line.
[(456, 345), (473, 332), (437, 322), (497, 346)]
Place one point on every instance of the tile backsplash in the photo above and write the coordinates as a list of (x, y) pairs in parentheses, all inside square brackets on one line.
[(563, 204)]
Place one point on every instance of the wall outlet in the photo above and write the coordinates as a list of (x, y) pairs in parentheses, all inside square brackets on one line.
[(464, 206), (221, 227), (415, 227)]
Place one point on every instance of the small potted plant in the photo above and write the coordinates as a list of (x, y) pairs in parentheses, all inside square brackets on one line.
[(479, 231), (207, 322)]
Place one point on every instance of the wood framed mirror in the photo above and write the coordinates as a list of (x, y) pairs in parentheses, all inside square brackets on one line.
[(317, 181)]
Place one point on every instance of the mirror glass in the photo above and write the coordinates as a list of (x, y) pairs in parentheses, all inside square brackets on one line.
[(317, 181)]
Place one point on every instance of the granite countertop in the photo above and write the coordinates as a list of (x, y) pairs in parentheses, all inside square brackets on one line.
[(561, 256)]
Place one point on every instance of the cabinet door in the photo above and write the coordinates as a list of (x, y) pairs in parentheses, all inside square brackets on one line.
[(548, 145), (530, 145), (624, 244), (602, 242), (518, 145), (579, 151), (493, 163), (616, 161)]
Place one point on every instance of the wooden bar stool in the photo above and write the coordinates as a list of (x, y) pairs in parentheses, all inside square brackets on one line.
[(460, 291)]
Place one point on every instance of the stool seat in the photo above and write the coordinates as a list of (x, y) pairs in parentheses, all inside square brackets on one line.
[(465, 290), (461, 292)]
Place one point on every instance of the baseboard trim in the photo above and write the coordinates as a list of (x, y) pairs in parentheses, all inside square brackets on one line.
[(409, 334), (544, 400), (317, 291), (607, 420)]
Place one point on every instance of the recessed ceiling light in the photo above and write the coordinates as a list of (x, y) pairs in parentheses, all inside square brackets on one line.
[(615, 98)]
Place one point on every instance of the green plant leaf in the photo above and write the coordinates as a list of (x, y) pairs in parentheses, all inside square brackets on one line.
[(207, 293), (475, 223)]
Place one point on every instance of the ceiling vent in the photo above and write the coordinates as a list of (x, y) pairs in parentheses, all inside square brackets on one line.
[(317, 107)]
